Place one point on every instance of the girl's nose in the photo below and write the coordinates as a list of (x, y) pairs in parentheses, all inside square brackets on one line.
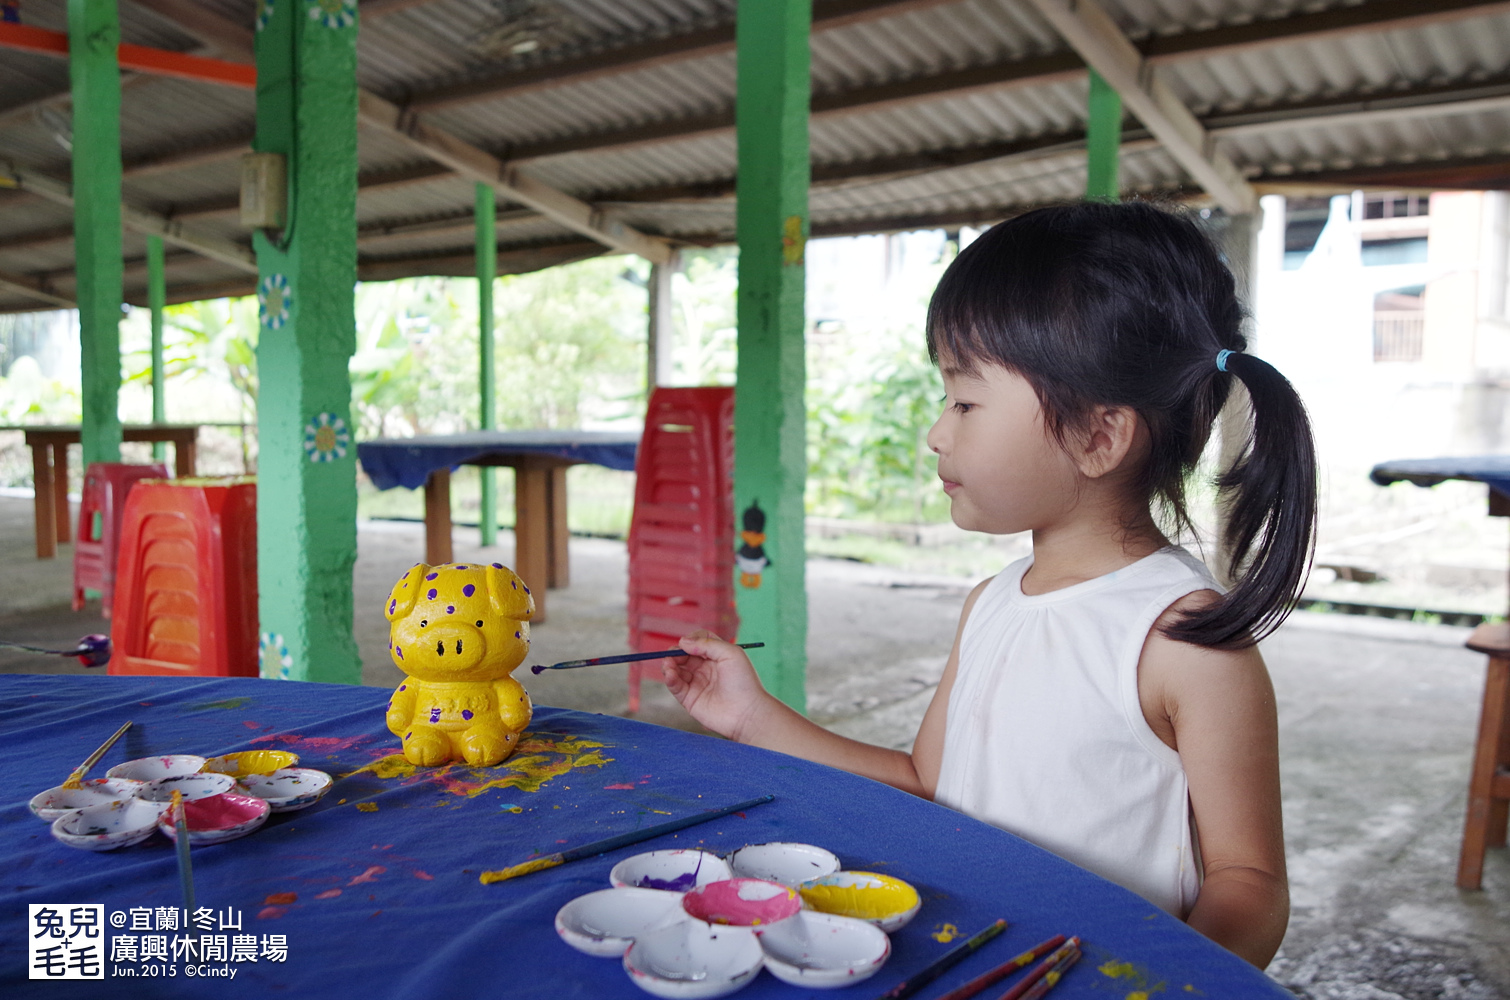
[(936, 436)]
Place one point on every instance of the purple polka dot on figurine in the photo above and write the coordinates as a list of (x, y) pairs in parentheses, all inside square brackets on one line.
[(403, 687), (498, 565), (392, 606), (518, 636), (432, 576), (450, 609), (526, 590), (407, 735), (432, 593), (468, 590), (466, 713), (400, 651), (514, 584)]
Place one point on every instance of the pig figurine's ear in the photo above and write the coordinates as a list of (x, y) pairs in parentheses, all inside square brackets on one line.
[(404, 593), (508, 595)]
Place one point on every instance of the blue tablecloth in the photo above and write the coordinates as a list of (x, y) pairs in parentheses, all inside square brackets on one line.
[(1491, 469), (375, 888), (407, 462)]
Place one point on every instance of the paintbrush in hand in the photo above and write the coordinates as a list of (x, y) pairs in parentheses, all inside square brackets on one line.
[(598, 661)]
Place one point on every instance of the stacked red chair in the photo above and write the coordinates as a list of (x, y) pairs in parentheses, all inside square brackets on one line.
[(97, 541), (681, 535), (186, 590)]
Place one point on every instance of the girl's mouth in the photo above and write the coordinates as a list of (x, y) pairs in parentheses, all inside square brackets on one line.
[(950, 486)]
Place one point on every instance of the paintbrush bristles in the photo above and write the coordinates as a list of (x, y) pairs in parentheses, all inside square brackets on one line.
[(76, 779), (514, 871)]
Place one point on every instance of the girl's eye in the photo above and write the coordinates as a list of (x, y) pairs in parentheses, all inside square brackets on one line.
[(963, 407)]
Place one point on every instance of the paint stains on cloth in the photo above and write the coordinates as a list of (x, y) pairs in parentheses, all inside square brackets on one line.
[(1136, 977), (539, 758), (945, 934), (280, 899), (370, 875)]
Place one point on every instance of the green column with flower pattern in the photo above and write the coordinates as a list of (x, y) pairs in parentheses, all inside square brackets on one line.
[(770, 437), (306, 468)]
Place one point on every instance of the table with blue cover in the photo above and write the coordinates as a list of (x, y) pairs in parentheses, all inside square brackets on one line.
[(539, 459), (375, 892)]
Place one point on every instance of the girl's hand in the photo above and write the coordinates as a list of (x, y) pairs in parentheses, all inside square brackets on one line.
[(717, 685)]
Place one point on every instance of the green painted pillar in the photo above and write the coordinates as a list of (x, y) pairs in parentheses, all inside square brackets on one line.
[(94, 32), (487, 269), (306, 472), (770, 462), (1103, 137), (157, 298)]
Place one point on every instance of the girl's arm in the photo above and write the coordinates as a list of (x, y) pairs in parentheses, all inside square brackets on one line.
[(717, 684), (1216, 708)]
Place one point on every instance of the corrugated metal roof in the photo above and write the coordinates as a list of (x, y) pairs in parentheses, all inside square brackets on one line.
[(906, 98)]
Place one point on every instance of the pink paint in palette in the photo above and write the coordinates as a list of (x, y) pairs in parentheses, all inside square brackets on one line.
[(742, 902), (218, 818)]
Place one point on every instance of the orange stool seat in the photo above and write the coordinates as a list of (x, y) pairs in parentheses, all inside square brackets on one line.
[(186, 590), (681, 534), (1489, 781), (97, 542)]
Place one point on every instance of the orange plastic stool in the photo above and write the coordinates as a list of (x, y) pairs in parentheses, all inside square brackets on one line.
[(186, 590), (97, 541), (681, 535)]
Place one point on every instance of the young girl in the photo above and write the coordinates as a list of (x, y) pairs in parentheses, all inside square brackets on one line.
[(1104, 698)]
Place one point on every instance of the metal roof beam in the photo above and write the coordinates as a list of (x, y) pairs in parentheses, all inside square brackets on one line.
[(695, 44), (141, 220), (455, 153), (33, 288), (510, 182), (1106, 49), (1379, 15)]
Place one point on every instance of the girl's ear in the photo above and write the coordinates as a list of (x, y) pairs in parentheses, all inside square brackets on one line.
[(1106, 440)]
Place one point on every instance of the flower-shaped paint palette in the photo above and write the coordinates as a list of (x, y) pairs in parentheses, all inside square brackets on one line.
[(716, 936), (225, 797)]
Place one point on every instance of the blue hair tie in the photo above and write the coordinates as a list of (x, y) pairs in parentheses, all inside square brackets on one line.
[(1221, 359)]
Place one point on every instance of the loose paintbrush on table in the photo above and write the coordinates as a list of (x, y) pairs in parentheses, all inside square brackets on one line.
[(598, 661), (76, 779)]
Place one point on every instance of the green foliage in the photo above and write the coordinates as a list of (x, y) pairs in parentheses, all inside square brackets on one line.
[(213, 341), (28, 397), (569, 349)]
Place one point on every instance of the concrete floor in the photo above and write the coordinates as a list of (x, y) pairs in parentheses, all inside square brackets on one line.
[(1376, 725)]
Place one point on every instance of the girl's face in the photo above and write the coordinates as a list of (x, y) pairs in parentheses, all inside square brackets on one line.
[(1003, 469)]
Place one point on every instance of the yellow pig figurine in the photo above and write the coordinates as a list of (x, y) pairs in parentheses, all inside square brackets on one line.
[(458, 631)]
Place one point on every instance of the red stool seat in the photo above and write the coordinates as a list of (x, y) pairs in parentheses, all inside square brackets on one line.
[(681, 535), (186, 590), (97, 541)]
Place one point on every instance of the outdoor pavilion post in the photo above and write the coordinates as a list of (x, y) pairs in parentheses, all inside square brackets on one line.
[(306, 476), (659, 332), (1103, 138), (486, 212), (770, 461), (94, 33), (157, 296)]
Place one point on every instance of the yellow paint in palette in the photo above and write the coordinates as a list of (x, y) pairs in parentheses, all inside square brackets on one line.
[(247, 762), (881, 899)]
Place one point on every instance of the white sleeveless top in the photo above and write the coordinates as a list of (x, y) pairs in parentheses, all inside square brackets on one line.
[(1045, 735)]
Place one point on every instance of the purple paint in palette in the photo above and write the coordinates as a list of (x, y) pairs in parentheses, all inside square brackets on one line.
[(682, 883)]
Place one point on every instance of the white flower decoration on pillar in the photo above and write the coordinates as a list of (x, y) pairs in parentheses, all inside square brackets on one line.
[(273, 658), (264, 14), (333, 13), (326, 438), (273, 301)]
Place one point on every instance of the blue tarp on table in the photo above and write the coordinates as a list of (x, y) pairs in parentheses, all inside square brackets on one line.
[(376, 890), (407, 462), (1491, 469)]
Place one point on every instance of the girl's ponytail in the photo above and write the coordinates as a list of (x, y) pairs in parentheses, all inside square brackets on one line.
[(1269, 496)]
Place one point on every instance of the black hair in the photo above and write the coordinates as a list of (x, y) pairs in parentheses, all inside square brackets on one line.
[(1104, 304)]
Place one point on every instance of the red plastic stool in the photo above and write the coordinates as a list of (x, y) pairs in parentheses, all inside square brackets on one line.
[(681, 535), (98, 538), (186, 590)]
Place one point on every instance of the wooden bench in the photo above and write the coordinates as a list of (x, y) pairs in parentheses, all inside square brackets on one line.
[(1489, 781)]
